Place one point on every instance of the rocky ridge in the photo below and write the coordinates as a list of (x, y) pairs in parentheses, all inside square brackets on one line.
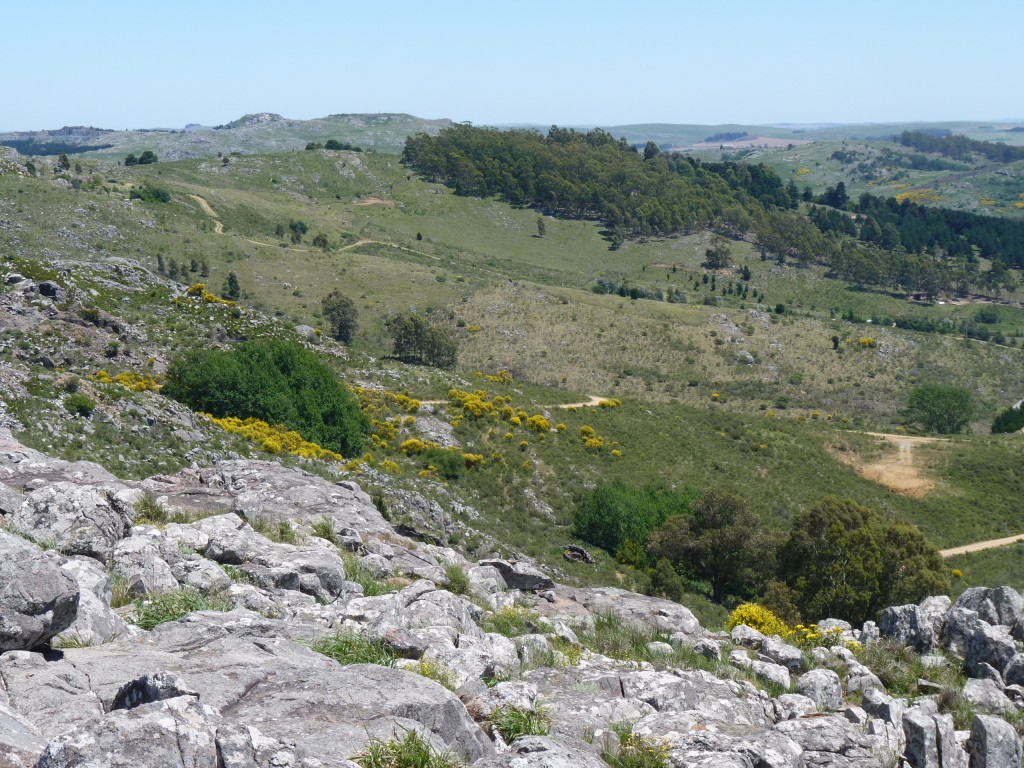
[(83, 683)]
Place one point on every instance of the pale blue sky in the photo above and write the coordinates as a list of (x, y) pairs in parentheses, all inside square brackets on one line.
[(146, 64)]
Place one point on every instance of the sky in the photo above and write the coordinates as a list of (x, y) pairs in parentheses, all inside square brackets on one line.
[(115, 64)]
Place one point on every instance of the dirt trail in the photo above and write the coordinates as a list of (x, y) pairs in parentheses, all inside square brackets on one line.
[(217, 226), (978, 546), (593, 402), (896, 470)]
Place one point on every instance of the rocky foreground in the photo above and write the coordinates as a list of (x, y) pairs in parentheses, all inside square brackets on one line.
[(83, 684)]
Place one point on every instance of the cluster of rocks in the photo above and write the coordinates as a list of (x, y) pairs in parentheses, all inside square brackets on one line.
[(81, 685)]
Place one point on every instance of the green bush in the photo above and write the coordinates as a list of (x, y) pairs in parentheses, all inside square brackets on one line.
[(449, 464), (455, 579), (150, 193), (276, 381), (79, 405), (1008, 420)]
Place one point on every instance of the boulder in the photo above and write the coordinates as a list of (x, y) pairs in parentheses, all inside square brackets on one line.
[(960, 624), (520, 575), (789, 656), (989, 644), (38, 599), (137, 560), (931, 741), (993, 743), (987, 697), (822, 686), (545, 752), (76, 519), (96, 622), (835, 741), (582, 603)]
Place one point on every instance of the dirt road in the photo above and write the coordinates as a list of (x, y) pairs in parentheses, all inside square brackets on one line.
[(978, 546)]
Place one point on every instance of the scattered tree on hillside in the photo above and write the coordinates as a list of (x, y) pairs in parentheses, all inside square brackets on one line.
[(298, 228), (231, 290), (417, 341), (940, 408), (63, 163), (541, 227), (718, 254), (341, 315), (147, 157), (1008, 420)]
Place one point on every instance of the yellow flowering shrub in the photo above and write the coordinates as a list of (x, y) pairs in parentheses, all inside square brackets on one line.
[(274, 439), (538, 424), (757, 617)]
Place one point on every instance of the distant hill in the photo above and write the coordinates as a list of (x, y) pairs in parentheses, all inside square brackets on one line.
[(251, 133)]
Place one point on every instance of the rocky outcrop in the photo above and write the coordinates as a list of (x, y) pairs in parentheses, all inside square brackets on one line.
[(245, 688)]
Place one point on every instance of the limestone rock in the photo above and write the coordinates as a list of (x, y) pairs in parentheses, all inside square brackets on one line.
[(822, 686), (37, 598), (76, 519), (993, 743)]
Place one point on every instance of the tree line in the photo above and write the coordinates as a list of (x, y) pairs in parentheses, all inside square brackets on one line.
[(837, 559), (961, 147)]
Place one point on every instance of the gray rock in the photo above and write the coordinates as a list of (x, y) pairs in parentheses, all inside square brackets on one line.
[(178, 731), (709, 649), (748, 637), (37, 598), (987, 697), (960, 624), (1013, 672), (544, 752), (789, 706), (664, 615), (769, 670), (228, 538), (931, 742), (21, 743), (1002, 606), (519, 575), (993, 743), (138, 561), (95, 621), (989, 644), (51, 695), (860, 678), (10, 500), (78, 520), (789, 656), (310, 569), (835, 741), (822, 686), (517, 695)]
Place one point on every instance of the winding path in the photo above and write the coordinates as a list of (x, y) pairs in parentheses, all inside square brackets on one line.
[(217, 226)]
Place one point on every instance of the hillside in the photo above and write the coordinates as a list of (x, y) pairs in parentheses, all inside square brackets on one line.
[(260, 132), (718, 392)]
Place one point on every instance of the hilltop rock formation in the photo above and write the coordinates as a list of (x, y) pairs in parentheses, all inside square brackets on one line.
[(81, 685)]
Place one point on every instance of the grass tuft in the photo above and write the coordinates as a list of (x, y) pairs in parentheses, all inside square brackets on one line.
[(351, 648), (412, 751), (162, 607), (513, 722)]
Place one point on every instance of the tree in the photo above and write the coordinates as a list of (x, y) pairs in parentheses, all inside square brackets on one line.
[(651, 150), (721, 541), (341, 315), (320, 241), (1008, 420), (718, 254), (63, 163), (541, 228), (417, 341), (940, 408), (278, 382), (844, 561), (619, 517), (231, 290), (131, 160), (298, 228), (147, 157)]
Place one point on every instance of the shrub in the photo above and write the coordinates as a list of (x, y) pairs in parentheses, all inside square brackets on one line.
[(275, 381), (759, 618), (436, 671), (78, 404), (455, 579), (633, 751), (511, 621), (150, 193)]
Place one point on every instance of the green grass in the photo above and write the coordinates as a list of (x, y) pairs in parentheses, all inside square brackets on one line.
[(409, 751), (513, 722), (162, 607), (351, 648)]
